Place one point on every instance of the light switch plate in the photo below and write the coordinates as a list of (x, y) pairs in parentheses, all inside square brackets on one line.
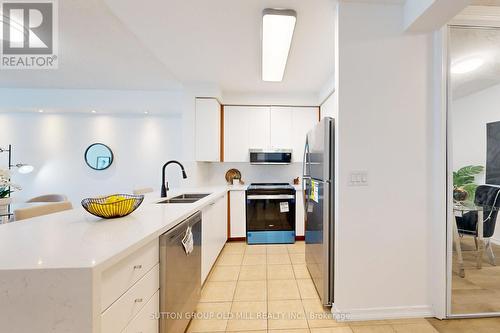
[(358, 178)]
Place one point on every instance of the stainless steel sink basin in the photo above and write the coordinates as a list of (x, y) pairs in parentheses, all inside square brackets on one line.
[(185, 198)]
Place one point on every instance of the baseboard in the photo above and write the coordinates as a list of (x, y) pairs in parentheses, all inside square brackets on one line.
[(236, 239), (242, 239), (422, 311), (495, 241)]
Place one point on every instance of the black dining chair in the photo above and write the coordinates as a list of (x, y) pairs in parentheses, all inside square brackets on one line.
[(487, 197)]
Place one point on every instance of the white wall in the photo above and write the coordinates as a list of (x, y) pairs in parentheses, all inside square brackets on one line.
[(55, 143), (214, 173), (469, 116), (384, 106), (85, 100), (329, 107)]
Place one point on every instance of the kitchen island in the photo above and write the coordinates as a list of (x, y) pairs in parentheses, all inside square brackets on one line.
[(73, 272)]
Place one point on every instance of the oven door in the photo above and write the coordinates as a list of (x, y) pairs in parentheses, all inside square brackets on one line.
[(270, 218), (270, 212)]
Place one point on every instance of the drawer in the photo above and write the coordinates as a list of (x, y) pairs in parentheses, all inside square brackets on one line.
[(118, 315), (146, 320), (117, 279)]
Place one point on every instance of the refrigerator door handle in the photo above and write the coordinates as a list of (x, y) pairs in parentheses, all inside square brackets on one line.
[(305, 177)]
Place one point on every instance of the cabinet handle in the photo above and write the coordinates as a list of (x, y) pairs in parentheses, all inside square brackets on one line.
[(138, 300), (137, 266)]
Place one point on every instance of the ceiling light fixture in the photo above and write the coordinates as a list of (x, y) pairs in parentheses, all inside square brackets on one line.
[(41, 111), (277, 32), (93, 111), (466, 65)]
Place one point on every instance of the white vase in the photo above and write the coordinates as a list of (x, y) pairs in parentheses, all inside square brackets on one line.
[(4, 209)]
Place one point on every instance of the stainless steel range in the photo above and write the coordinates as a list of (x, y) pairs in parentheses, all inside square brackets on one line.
[(270, 209)]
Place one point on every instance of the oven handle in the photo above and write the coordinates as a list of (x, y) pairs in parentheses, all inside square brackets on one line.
[(270, 197)]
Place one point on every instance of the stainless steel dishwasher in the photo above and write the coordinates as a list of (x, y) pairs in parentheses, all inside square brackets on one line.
[(180, 275)]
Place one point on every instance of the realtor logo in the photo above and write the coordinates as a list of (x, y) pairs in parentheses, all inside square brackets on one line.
[(29, 36)]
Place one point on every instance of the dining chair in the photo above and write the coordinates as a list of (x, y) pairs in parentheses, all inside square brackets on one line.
[(49, 198), (45, 209), (144, 190), (487, 197)]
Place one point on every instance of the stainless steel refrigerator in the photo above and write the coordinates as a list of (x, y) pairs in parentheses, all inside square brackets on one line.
[(318, 191)]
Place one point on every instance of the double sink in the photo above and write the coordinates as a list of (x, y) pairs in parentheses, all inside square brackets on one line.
[(185, 198)]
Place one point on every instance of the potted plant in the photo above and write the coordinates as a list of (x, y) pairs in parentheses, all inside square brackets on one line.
[(6, 188), (464, 186)]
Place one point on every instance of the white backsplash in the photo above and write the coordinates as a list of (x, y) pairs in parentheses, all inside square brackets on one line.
[(213, 173)]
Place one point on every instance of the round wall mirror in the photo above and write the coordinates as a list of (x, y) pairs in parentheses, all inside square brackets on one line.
[(98, 156)]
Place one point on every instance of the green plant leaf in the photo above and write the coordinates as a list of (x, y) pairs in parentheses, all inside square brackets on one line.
[(471, 191), (462, 180), (466, 175), (4, 193), (471, 170)]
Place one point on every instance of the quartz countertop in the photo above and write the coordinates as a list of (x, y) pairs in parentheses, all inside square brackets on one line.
[(77, 239)]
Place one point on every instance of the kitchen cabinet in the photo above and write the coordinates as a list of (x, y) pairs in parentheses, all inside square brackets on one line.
[(303, 120), (299, 212), (213, 234), (266, 127), (208, 129), (281, 127), (237, 214), (245, 127)]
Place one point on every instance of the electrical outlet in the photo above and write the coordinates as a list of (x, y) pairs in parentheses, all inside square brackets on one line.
[(358, 178)]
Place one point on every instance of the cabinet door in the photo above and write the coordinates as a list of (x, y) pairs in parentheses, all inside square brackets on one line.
[(206, 241), (244, 128), (207, 132), (299, 212), (214, 234), (303, 120), (237, 212), (220, 215), (281, 127), (259, 127)]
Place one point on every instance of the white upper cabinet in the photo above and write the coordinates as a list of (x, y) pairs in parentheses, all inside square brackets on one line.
[(208, 129), (248, 127), (245, 127), (303, 120), (281, 127)]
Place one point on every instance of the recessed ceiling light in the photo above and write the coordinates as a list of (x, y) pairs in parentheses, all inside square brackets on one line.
[(277, 32), (41, 111), (466, 65), (146, 112), (93, 111)]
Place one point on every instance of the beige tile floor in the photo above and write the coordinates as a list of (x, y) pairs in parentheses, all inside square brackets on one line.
[(267, 288)]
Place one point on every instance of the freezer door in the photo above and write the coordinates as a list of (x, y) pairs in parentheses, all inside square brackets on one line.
[(319, 141), (319, 240)]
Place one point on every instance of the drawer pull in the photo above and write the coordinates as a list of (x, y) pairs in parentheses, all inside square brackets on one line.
[(138, 267), (138, 300)]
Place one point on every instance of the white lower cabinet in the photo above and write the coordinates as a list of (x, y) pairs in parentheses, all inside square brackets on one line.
[(146, 320), (237, 214), (299, 213), (213, 234), (123, 310)]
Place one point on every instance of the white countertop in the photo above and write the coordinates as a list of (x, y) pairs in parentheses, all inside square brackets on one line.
[(77, 239)]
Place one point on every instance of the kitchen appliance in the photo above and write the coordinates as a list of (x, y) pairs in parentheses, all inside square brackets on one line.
[(180, 274), (270, 156), (270, 212), (318, 189)]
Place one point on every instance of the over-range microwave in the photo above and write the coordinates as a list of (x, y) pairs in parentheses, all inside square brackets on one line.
[(270, 156)]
